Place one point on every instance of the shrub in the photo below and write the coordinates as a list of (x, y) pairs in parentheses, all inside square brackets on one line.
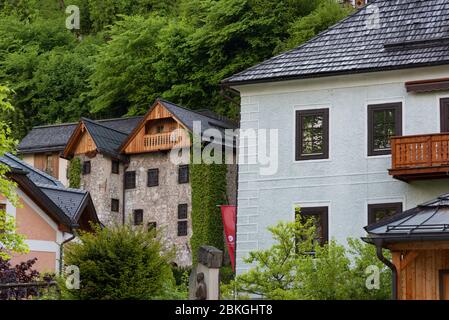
[(288, 270), (20, 273), (121, 263)]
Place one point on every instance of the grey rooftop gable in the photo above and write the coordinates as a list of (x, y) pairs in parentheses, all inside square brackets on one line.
[(46, 138), (68, 200), (106, 139), (55, 137), (411, 33), (187, 117)]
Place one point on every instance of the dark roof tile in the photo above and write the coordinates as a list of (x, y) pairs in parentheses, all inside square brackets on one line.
[(68, 200), (55, 137), (35, 175), (106, 139)]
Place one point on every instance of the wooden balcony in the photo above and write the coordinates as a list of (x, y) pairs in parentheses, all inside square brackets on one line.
[(164, 141), (420, 157)]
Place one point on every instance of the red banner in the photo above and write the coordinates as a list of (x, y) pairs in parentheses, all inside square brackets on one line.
[(228, 213)]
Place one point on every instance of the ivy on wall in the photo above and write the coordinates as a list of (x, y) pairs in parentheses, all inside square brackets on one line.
[(75, 173), (208, 182)]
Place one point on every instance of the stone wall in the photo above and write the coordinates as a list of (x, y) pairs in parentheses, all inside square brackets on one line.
[(160, 203), (103, 186)]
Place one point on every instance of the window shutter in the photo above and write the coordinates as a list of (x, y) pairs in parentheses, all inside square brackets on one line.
[(130, 180), (182, 211), (183, 174), (115, 166), (86, 167), (138, 217), (115, 203), (153, 178), (182, 228)]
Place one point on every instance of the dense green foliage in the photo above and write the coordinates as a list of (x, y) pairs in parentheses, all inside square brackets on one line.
[(129, 52), (75, 173), (11, 242), (121, 263), (287, 270), (208, 182)]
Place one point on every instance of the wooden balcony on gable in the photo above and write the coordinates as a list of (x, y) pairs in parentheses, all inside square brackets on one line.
[(150, 139), (164, 141), (159, 131), (420, 157)]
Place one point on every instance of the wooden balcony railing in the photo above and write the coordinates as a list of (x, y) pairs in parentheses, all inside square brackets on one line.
[(420, 156), (164, 141)]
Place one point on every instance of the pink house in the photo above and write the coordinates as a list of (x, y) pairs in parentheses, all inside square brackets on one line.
[(49, 214)]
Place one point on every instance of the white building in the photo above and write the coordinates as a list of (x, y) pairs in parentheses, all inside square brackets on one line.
[(336, 101)]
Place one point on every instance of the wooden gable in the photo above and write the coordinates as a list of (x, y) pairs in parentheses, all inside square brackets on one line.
[(154, 133), (80, 142)]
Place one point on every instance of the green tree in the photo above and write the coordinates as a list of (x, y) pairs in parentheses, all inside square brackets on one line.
[(123, 77), (28, 64), (130, 52), (11, 241), (121, 263), (184, 59), (288, 270), (328, 13)]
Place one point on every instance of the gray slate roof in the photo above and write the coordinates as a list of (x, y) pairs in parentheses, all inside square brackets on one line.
[(430, 218), (35, 175), (106, 139), (68, 200), (125, 125), (208, 119), (46, 138), (411, 33), (55, 137)]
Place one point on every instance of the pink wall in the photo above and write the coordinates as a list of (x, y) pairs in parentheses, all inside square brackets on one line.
[(46, 261), (32, 225)]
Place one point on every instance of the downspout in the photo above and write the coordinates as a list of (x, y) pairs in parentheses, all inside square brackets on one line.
[(125, 166), (61, 251), (394, 271)]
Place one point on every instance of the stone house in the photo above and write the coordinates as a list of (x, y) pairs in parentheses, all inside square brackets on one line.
[(130, 175)]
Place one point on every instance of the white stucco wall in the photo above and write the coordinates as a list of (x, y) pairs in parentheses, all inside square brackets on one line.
[(348, 180), (63, 164)]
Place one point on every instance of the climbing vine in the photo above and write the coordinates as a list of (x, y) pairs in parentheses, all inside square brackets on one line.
[(208, 182), (75, 173)]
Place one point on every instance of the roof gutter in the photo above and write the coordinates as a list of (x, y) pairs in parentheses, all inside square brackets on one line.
[(391, 266), (125, 167), (61, 251)]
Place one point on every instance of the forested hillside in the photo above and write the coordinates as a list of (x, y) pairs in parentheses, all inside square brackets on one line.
[(129, 52)]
